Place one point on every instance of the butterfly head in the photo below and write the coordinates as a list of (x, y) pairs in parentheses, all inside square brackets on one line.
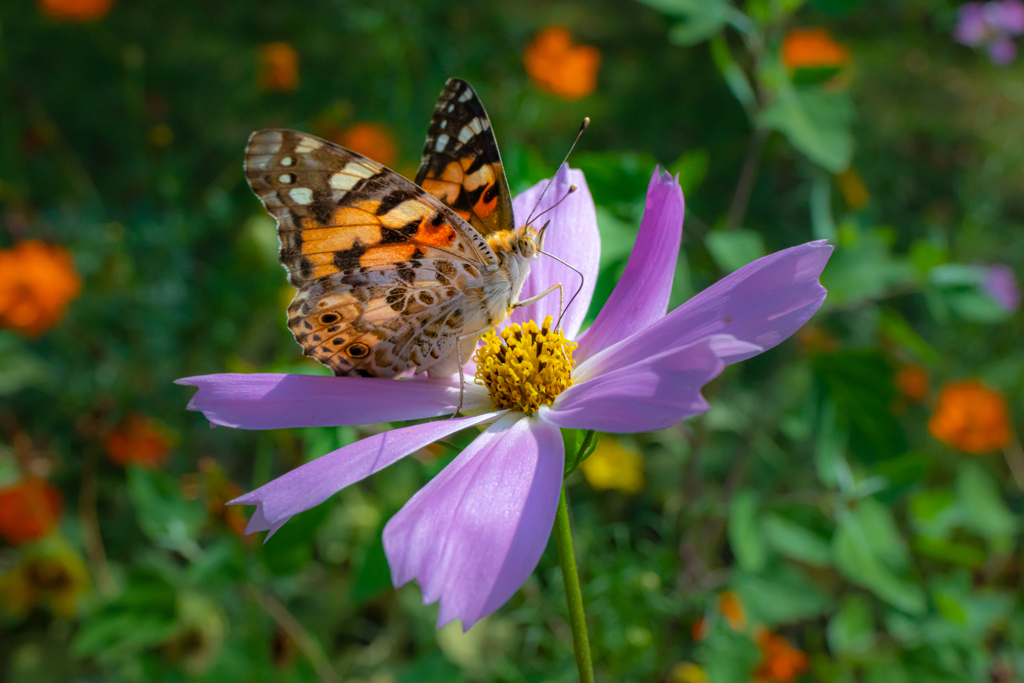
[(529, 241)]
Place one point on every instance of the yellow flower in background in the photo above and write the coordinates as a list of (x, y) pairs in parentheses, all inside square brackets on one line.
[(371, 140), (971, 417), (37, 280), (687, 672), (53, 576), (558, 66), (279, 67), (812, 47), (854, 191), (614, 466), (912, 382), (76, 10)]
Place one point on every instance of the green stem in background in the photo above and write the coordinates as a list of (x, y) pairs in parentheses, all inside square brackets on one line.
[(573, 595)]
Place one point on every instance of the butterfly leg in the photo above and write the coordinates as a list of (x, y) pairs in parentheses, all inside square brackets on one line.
[(462, 374), (538, 297)]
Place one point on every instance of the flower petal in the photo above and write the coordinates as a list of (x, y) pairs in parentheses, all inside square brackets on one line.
[(472, 535), (573, 237), (641, 296), (275, 401), (654, 393), (762, 303), (313, 483)]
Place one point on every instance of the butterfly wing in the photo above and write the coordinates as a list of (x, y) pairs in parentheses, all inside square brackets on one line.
[(461, 165), (373, 256)]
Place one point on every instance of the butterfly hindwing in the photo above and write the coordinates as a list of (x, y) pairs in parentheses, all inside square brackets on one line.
[(383, 320), (461, 165)]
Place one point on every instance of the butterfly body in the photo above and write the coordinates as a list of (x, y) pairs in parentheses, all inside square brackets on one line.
[(392, 275)]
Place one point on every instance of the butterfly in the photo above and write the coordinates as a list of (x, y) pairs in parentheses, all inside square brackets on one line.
[(394, 275)]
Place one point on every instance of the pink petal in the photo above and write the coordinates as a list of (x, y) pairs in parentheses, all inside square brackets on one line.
[(472, 535), (654, 393), (313, 483), (274, 401), (762, 303), (573, 237), (641, 296)]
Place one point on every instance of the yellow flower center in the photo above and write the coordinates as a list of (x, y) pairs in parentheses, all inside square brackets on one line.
[(525, 367)]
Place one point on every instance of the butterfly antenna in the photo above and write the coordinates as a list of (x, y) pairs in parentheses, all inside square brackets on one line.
[(575, 294), (583, 127), (572, 188)]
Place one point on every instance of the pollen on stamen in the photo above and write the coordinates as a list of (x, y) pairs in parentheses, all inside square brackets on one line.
[(526, 367)]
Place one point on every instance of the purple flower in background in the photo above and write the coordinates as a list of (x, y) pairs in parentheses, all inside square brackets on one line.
[(991, 24), (1001, 285), (474, 533)]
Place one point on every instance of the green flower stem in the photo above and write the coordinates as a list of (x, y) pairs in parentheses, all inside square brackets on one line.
[(573, 595), (586, 448)]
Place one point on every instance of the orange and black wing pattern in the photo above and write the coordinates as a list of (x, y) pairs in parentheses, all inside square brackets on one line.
[(461, 165), (338, 211)]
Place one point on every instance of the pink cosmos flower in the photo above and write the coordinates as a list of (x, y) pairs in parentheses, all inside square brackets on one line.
[(1001, 285), (991, 24), (473, 535)]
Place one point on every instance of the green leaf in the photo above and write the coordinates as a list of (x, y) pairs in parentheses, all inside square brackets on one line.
[(863, 267), (19, 369), (851, 631), (701, 18), (145, 614), (780, 595), (796, 541), (733, 249), (371, 575), (733, 74), (896, 328), (162, 512), (691, 168), (985, 512), (860, 558), (745, 535), (816, 122)]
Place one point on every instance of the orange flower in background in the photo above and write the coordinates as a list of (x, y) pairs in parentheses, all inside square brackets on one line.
[(37, 280), (76, 10), (912, 382), (371, 140), (279, 67), (138, 439), (732, 609), (780, 661), (29, 510), (971, 417), (556, 65), (812, 47)]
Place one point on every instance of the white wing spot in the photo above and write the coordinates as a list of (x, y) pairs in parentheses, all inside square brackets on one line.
[(444, 124), (442, 141), (476, 125), (359, 170), (465, 96), (301, 195), (343, 181), (286, 178), (287, 161), (307, 145), (465, 134), (451, 108)]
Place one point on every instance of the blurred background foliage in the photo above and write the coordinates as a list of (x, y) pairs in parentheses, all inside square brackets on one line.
[(848, 510)]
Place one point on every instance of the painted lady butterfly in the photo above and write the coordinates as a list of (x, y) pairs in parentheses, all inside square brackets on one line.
[(393, 275)]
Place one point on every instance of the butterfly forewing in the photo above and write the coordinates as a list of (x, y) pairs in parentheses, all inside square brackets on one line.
[(461, 165)]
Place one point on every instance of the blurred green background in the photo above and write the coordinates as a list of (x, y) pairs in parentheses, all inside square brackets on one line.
[(848, 510)]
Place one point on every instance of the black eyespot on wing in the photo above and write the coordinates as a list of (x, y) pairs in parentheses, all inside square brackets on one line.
[(358, 350)]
